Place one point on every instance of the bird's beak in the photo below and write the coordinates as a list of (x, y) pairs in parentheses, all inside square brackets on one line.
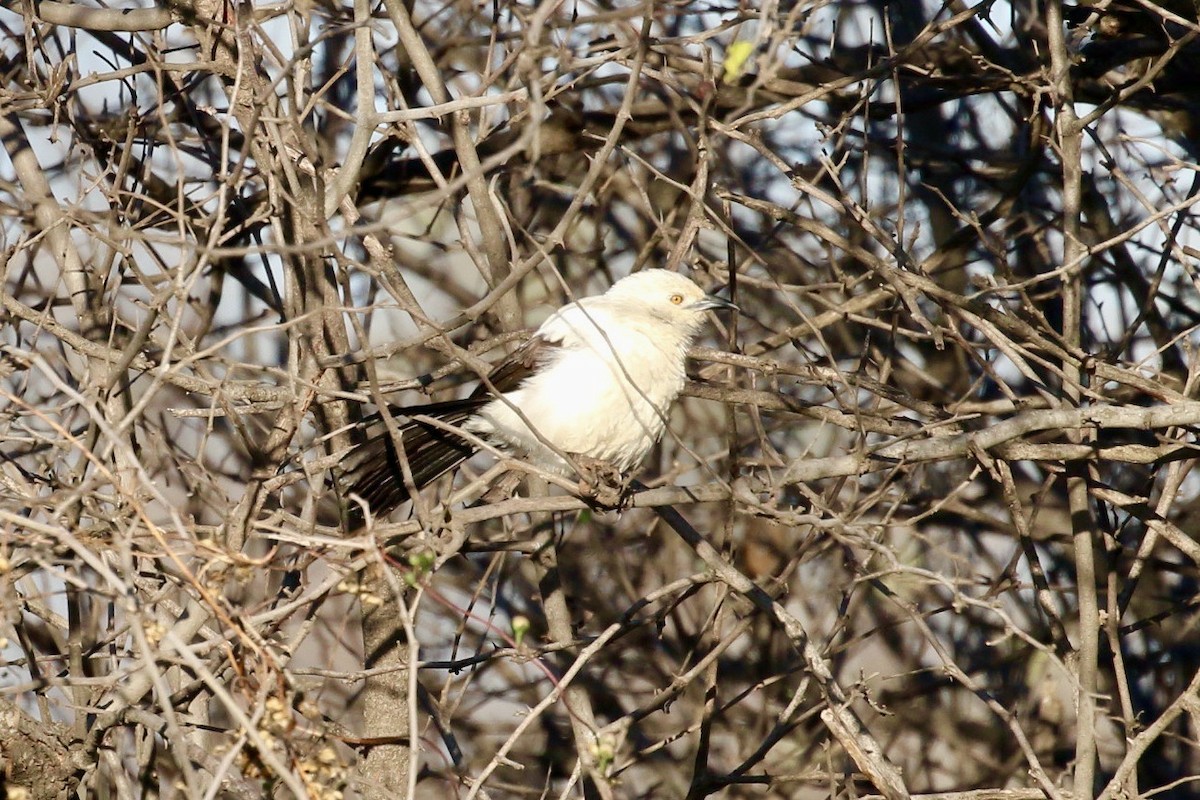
[(711, 301)]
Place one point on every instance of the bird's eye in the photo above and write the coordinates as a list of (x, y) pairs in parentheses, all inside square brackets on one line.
[(676, 299)]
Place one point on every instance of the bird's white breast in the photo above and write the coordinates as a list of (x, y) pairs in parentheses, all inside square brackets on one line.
[(604, 394)]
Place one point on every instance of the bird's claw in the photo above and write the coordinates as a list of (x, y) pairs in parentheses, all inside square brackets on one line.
[(601, 484)]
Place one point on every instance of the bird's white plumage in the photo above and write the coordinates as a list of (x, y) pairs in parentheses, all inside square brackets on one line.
[(606, 390), (600, 375)]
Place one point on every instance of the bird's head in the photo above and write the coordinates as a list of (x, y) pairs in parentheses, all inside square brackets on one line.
[(667, 296)]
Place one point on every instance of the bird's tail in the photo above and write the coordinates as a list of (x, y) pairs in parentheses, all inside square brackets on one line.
[(372, 469)]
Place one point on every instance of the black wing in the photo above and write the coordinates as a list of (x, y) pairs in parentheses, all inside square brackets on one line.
[(373, 471), (510, 373)]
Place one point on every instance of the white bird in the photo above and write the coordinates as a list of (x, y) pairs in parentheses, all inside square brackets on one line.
[(596, 380)]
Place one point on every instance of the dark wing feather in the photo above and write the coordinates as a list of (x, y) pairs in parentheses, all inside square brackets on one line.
[(510, 373), (372, 469)]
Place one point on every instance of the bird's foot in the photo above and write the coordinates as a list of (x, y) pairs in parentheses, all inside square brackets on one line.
[(601, 484)]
